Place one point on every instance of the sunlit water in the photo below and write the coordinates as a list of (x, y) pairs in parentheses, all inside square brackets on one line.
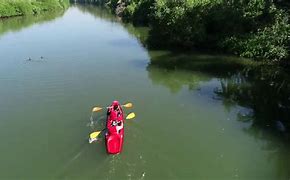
[(54, 70)]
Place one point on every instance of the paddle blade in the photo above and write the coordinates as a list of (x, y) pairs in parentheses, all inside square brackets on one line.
[(128, 105), (96, 109), (95, 134), (131, 116)]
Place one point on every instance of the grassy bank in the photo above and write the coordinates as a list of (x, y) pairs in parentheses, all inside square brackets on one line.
[(9, 8), (257, 29)]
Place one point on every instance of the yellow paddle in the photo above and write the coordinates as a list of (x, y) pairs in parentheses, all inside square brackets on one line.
[(93, 136), (96, 109), (131, 116), (128, 105)]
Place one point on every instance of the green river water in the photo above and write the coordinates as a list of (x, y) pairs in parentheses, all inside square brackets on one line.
[(217, 121)]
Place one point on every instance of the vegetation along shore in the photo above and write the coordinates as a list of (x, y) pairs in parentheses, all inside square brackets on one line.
[(10, 8), (257, 29)]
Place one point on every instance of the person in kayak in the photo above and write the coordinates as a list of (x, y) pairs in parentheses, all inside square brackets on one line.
[(115, 107), (118, 124)]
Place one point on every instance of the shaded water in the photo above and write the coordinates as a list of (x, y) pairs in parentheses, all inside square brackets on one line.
[(216, 122)]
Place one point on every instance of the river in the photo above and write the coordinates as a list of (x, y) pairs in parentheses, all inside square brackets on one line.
[(217, 121)]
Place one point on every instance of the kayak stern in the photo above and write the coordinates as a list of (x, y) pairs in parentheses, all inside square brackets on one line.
[(114, 144)]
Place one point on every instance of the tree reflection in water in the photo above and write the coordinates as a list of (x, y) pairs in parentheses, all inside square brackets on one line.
[(263, 91)]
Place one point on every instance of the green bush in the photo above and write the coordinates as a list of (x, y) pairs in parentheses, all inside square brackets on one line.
[(139, 11), (24, 7), (130, 10), (253, 28), (271, 42), (189, 24), (6, 9)]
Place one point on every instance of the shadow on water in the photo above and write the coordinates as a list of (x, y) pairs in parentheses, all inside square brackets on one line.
[(101, 13), (15, 24), (176, 79), (266, 91), (262, 89), (214, 65)]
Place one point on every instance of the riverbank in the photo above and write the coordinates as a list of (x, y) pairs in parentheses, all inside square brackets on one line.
[(12, 8), (258, 30)]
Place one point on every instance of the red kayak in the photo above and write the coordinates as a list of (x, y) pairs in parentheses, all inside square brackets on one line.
[(115, 128)]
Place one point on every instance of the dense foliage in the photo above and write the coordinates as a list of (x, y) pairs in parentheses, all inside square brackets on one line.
[(139, 11), (24, 7), (256, 29)]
